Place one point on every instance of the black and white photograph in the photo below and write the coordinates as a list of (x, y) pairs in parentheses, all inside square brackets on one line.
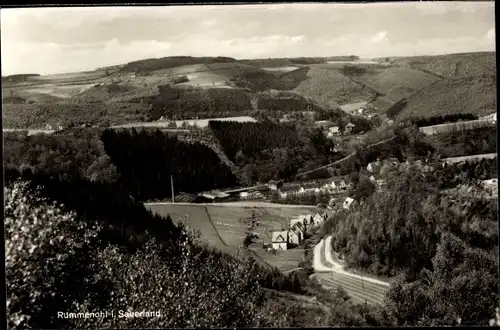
[(270, 165)]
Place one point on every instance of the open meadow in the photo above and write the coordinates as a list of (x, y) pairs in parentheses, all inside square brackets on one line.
[(230, 221)]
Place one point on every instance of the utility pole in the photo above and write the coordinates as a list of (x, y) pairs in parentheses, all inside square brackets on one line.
[(363, 286), (172, 187)]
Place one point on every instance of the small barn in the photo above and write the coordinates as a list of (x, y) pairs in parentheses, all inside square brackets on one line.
[(279, 240)]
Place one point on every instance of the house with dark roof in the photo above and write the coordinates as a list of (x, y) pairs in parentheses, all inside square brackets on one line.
[(279, 240)]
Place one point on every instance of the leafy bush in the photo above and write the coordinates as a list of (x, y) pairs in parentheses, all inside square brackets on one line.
[(43, 255)]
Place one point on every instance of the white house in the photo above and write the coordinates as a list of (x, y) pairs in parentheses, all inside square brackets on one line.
[(293, 237), (347, 203), (48, 127), (244, 194), (374, 167), (279, 240), (298, 229), (296, 221), (372, 179), (318, 219), (301, 190), (333, 131)]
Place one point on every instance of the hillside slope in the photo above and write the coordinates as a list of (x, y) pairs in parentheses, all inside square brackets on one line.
[(475, 94), (327, 85), (451, 65)]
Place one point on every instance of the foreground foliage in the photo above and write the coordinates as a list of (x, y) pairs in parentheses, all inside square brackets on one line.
[(124, 259)]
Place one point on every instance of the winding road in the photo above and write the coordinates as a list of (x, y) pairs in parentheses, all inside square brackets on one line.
[(331, 274)]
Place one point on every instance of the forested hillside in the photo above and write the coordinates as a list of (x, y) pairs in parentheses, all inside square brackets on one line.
[(267, 151), (471, 94), (146, 160), (444, 250)]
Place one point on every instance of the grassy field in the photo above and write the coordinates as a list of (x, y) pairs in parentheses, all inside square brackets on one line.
[(327, 85), (396, 82), (229, 220), (283, 260), (457, 127), (476, 95), (452, 160), (197, 122)]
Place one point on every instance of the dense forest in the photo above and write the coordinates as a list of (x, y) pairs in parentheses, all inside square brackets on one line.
[(67, 154), (451, 175), (444, 249), (182, 103), (253, 138), (259, 80), (148, 65), (145, 160), (472, 142), (70, 114), (437, 120), (268, 151), (140, 161)]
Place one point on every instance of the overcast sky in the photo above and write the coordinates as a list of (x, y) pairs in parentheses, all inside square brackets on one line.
[(57, 40)]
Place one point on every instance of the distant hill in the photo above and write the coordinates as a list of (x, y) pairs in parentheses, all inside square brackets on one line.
[(154, 64), (19, 77), (328, 85), (219, 86), (475, 94), (450, 66)]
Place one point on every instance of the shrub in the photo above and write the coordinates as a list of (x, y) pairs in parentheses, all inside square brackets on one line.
[(43, 248)]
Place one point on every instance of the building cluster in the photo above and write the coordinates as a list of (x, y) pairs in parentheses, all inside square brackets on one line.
[(312, 188), (298, 227)]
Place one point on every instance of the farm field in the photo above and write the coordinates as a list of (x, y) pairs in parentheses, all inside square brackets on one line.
[(281, 69), (30, 131), (327, 85), (457, 127), (196, 217), (471, 157), (350, 107), (396, 82), (70, 77), (197, 122), (283, 260), (228, 219)]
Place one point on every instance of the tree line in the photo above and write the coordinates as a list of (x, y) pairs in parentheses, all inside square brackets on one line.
[(437, 120)]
